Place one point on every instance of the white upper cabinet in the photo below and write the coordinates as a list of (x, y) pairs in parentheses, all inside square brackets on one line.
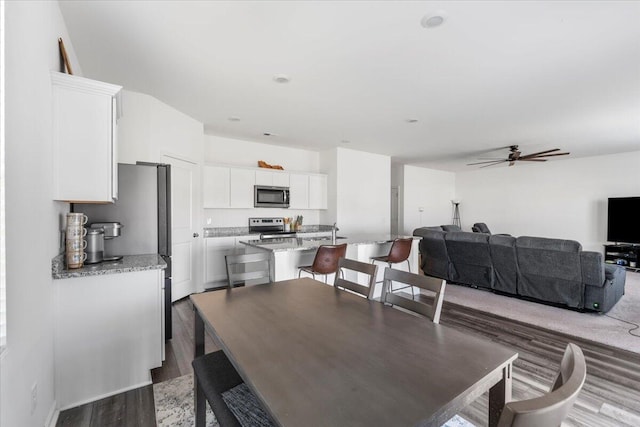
[(272, 178), (230, 187), (299, 191), (216, 188), (85, 114), (241, 182), (317, 191)]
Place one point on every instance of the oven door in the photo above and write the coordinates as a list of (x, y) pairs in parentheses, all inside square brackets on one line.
[(271, 197)]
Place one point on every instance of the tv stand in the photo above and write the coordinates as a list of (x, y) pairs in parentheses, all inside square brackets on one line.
[(625, 255)]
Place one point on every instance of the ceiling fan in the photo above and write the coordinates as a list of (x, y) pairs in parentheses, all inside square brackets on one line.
[(515, 156)]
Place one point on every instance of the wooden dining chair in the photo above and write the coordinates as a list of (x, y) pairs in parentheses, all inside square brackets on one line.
[(359, 267), (553, 407), (248, 267), (432, 311), (325, 261), (215, 379)]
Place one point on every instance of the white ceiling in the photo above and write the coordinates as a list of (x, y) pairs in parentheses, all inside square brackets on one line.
[(539, 74)]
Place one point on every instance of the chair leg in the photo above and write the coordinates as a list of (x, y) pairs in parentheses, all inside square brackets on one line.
[(199, 403)]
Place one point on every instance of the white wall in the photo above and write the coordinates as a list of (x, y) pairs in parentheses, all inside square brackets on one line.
[(428, 190), (561, 199), (150, 128), (33, 220), (237, 152), (358, 191)]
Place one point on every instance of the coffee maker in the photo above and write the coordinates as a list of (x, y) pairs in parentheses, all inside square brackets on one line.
[(97, 235)]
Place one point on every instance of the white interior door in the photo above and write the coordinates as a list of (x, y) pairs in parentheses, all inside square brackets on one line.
[(183, 234)]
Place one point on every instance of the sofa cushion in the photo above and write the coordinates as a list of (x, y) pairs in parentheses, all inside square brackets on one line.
[(505, 265), (419, 231), (550, 270), (480, 227), (470, 258), (592, 270), (451, 227)]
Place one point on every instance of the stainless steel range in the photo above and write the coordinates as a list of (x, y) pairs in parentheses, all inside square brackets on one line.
[(269, 228)]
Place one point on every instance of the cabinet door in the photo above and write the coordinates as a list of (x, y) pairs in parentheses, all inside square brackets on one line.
[(317, 192), (84, 157), (280, 179), (272, 178), (216, 187), (299, 191), (215, 250), (264, 177), (241, 187)]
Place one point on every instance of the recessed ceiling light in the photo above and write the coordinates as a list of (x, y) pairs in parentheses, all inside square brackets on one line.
[(234, 119), (269, 134), (281, 78), (435, 19), (412, 120)]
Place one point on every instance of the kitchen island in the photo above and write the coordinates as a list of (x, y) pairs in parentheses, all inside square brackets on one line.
[(288, 254)]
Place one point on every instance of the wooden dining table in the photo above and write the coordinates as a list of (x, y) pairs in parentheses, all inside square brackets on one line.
[(317, 356)]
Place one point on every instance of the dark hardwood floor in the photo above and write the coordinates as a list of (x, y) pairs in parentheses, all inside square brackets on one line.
[(610, 397)]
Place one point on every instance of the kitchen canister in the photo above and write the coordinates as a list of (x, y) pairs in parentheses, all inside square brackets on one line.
[(75, 243)]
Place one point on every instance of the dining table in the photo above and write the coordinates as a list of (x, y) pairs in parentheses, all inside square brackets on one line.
[(315, 355)]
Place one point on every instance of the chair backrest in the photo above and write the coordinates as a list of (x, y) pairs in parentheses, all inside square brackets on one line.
[(327, 256), (244, 267), (359, 267), (480, 227), (470, 258), (553, 407), (432, 311), (435, 259), (400, 250), (550, 270)]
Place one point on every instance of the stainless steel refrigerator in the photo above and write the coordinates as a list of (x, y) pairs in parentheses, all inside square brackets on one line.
[(144, 209)]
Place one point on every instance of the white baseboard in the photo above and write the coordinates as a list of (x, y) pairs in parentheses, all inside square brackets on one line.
[(102, 396)]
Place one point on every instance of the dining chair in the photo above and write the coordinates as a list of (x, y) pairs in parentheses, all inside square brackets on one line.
[(398, 253), (433, 284), (553, 407), (359, 267), (244, 267), (214, 377), (325, 261)]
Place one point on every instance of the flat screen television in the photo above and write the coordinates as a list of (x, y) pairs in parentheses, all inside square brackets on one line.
[(623, 220)]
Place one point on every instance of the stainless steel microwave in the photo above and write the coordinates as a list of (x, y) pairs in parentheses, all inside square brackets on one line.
[(270, 197)]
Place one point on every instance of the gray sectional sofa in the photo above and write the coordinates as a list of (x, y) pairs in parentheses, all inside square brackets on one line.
[(548, 270)]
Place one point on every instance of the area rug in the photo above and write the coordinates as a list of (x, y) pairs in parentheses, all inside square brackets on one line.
[(174, 405), (617, 328)]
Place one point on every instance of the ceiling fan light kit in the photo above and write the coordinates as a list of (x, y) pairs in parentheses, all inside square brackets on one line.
[(515, 155)]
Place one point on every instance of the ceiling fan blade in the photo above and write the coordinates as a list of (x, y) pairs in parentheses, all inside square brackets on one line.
[(493, 164), (533, 160), (540, 152), (490, 161), (551, 155)]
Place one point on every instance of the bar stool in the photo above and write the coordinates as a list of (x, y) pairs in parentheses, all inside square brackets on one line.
[(325, 261), (399, 252)]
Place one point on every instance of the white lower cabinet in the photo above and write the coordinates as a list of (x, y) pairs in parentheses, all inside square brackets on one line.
[(108, 334)]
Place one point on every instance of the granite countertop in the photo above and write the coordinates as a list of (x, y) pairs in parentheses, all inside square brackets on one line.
[(303, 244), (127, 264), (244, 231)]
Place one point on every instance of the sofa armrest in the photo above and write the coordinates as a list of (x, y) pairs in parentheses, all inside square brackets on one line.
[(615, 273)]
